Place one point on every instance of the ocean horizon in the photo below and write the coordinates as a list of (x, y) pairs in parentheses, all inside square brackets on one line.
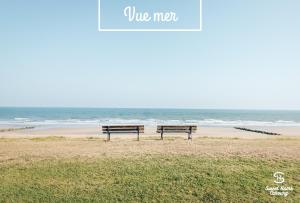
[(70, 116)]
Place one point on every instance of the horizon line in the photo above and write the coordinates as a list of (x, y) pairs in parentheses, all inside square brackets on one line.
[(175, 108)]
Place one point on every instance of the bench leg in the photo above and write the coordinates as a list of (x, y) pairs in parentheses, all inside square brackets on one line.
[(190, 134), (138, 136), (108, 136), (161, 135)]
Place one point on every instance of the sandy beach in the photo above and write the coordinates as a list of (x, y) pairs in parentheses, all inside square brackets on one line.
[(89, 141), (84, 132)]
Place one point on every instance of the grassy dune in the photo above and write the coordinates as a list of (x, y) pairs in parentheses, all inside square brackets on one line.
[(168, 178)]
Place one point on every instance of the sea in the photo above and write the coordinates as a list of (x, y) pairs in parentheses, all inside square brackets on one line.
[(62, 117)]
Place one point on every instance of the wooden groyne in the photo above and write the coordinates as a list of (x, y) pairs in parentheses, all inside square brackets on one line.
[(257, 131), (14, 129)]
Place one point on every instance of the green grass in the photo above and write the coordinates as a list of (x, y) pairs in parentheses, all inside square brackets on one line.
[(147, 178)]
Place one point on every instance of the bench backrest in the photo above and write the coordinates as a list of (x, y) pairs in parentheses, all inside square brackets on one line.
[(123, 129), (176, 128)]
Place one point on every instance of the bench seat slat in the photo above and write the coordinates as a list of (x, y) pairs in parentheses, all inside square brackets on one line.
[(166, 128), (116, 130), (169, 128), (166, 131), (121, 132), (123, 126), (177, 126), (112, 129), (174, 132)]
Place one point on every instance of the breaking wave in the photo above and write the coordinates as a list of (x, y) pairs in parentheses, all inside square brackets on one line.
[(147, 122)]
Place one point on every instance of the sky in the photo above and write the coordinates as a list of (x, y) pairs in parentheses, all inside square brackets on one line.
[(246, 57)]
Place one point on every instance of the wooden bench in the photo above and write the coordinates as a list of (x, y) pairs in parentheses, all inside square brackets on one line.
[(109, 129), (189, 129)]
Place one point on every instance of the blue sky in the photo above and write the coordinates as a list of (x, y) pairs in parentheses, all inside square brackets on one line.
[(247, 56)]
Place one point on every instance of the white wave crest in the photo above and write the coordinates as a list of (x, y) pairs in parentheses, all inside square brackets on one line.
[(147, 122)]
